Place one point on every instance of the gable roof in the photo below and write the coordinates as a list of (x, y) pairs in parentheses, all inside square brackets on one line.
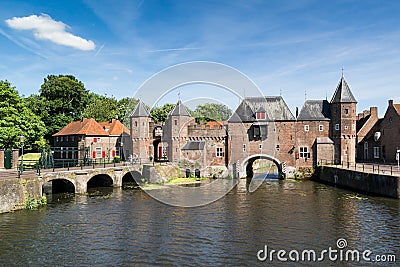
[(140, 111), (274, 107), (343, 93), (83, 127), (313, 110), (179, 110), (115, 127)]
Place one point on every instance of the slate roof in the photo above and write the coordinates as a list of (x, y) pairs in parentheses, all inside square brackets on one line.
[(115, 127), (315, 110), (83, 127), (343, 93), (194, 145), (274, 106), (140, 111), (179, 110)]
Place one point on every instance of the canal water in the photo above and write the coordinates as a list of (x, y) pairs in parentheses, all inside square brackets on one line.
[(129, 228)]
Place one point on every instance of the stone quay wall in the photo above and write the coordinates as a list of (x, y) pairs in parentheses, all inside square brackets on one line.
[(14, 192), (369, 183)]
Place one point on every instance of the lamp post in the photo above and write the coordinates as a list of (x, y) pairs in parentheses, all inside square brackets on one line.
[(21, 140)]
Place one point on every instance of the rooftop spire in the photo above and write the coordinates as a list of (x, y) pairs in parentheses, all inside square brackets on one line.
[(140, 111), (179, 110), (343, 93)]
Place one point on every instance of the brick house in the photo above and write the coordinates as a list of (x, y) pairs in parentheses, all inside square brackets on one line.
[(378, 138), (88, 139)]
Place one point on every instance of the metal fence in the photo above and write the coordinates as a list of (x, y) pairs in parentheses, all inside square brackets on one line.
[(386, 169)]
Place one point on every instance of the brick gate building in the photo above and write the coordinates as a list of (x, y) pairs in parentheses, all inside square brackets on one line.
[(260, 127)]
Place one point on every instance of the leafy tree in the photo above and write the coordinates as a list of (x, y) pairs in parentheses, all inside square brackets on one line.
[(64, 99), (212, 112), (160, 114), (101, 108), (17, 119), (125, 107)]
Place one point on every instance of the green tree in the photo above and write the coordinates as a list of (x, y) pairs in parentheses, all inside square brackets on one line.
[(64, 100), (17, 119), (101, 108), (160, 114), (125, 107), (212, 112)]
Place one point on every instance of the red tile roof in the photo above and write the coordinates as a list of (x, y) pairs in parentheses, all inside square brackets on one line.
[(397, 108), (216, 123), (91, 127), (115, 127)]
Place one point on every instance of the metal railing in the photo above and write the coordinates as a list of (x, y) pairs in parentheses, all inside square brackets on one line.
[(71, 164), (386, 169)]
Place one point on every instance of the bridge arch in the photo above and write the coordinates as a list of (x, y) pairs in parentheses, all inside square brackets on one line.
[(100, 180), (131, 178), (58, 185), (247, 164)]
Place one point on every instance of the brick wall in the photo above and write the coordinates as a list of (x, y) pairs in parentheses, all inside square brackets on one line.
[(390, 133)]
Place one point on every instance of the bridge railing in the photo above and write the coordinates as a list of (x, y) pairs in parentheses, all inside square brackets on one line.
[(71, 164), (388, 169)]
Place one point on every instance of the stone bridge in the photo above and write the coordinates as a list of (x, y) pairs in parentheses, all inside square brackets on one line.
[(78, 181)]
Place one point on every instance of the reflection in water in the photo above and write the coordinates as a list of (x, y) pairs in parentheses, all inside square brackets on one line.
[(114, 227)]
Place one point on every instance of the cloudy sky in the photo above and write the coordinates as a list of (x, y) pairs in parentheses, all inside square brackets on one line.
[(294, 48)]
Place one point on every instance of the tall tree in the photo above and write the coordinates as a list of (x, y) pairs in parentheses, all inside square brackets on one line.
[(160, 114), (64, 100), (212, 112), (125, 107), (101, 108), (17, 119)]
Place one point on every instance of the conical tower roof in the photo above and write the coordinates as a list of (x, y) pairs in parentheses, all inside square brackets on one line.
[(140, 111), (179, 110), (343, 93)]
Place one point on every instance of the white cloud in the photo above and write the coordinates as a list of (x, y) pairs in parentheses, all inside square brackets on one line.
[(45, 28)]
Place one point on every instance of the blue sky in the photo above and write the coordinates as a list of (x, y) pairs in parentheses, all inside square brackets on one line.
[(285, 47)]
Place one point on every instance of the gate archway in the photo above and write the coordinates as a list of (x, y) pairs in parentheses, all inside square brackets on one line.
[(247, 164)]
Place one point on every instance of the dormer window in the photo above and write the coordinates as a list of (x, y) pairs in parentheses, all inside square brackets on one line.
[(260, 115)]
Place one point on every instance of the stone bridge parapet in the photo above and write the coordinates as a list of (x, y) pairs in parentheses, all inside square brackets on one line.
[(80, 178)]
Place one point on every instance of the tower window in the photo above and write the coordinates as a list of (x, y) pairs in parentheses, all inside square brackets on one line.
[(346, 111), (321, 127), (337, 127), (306, 128), (244, 147)]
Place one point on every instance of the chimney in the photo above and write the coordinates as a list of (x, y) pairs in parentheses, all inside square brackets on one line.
[(390, 102), (373, 111)]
